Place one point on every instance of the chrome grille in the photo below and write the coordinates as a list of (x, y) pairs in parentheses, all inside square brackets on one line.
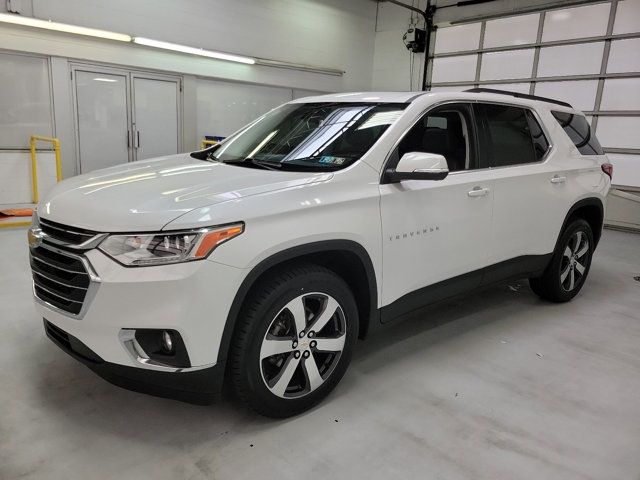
[(63, 234), (59, 279)]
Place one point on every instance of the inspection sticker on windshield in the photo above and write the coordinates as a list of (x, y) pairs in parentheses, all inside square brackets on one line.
[(332, 160)]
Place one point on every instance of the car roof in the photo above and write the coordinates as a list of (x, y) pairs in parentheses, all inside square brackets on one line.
[(351, 97), (432, 97)]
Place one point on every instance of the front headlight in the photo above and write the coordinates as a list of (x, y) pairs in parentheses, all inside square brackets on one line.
[(161, 248)]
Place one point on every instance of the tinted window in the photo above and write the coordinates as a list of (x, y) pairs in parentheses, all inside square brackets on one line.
[(445, 131), (508, 135), (303, 136), (579, 131), (540, 143)]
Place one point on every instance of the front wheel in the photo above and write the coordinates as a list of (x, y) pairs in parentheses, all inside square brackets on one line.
[(566, 273), (294, 340)]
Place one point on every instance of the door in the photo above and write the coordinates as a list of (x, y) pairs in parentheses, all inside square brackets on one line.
[(435, 231), (155, 116), (102, 119), (124, 116), (531, 195)]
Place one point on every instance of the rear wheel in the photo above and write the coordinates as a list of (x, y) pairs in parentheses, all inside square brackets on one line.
[(294, 341), (566, 273)]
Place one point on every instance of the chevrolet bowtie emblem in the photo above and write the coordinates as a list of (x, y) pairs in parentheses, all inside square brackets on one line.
[(34, 236)]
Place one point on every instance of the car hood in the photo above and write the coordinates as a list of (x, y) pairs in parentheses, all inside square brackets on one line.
[(146, 195)]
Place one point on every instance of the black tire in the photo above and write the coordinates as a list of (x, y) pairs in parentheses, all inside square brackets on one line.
[(265, 314), (553, 285)]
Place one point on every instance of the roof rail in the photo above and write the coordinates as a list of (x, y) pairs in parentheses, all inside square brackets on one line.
[(519, 95)]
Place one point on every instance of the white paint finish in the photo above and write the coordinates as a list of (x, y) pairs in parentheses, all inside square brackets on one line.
[(624, 56), (454, 69), (577, 22), (507, 65), (359, 97), (511, 87), (179, 192), (25, 100), (156, 105), (102, 109), (627, 17), (579, 93), (458, 38), (16, 167), (578, 59), (619, 132), (224, 107), (621, 94), (422, 243), (151, 193), (626, 169), (529, 209), (516, 30)]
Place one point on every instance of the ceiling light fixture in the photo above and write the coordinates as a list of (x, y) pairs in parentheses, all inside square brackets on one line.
[(148, 42), (18, 19), (63, 27)]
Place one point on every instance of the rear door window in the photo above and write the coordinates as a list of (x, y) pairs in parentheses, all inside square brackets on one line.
[(580, 133), (508, 138)]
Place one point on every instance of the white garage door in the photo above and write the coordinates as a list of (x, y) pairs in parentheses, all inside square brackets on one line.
[(587, 55)]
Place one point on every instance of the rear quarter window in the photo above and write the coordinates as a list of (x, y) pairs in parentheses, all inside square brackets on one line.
[(580, 133)]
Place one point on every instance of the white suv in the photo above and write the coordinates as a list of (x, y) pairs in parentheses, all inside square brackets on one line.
[(262, 259)]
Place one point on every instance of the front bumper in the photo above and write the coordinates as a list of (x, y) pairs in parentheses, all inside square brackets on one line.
[(201, 386), (192, 298)]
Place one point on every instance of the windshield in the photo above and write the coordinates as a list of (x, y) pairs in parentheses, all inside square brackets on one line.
[(303, 136)]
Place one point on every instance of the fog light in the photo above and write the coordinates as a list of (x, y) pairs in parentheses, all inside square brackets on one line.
[(163, 346), (167, 342)]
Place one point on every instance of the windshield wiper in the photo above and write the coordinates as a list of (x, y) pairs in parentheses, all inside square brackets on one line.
[(258, 163)]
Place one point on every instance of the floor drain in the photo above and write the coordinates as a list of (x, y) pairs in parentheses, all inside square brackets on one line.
[(637, 279)]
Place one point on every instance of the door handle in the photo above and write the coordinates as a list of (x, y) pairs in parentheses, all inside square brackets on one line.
[(137, 144), (478, 192), (128, 138), (558, 179)]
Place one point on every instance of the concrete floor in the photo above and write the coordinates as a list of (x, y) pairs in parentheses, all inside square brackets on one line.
[(498, 386)]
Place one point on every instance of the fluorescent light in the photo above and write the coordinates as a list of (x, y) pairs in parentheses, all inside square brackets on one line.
[(63, 27), (100, 79), (192, 50)]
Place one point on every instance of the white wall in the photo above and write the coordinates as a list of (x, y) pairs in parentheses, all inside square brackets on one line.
[(391, 59), (329, 33)]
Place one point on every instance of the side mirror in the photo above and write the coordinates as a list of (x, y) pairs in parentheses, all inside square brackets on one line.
[(419, 166)]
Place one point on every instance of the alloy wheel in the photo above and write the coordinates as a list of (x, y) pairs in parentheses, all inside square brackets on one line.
[(302, 345), (574, 261)]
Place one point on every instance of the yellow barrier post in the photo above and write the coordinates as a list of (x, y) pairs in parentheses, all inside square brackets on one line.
[(34, 164), (206, 143), (35, 196), (34, 171)]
